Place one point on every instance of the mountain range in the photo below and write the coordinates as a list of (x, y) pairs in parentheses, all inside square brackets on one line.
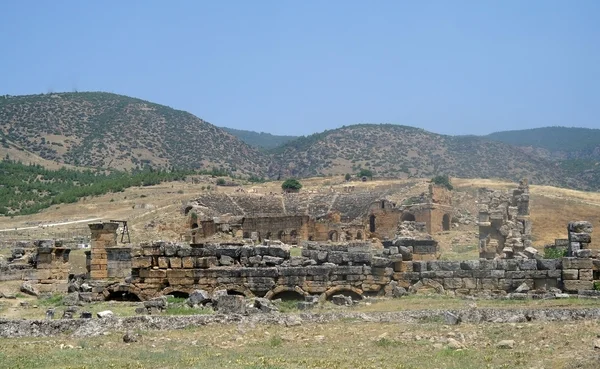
[(103, 130)]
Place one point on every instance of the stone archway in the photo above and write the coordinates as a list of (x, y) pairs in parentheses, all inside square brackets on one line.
[(408, 217), (286, 293), (446, 222), (333, 236), (372, 223), (353, 292)]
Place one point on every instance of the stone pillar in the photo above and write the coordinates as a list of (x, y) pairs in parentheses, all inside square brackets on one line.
[(103, 235), (579, 239)]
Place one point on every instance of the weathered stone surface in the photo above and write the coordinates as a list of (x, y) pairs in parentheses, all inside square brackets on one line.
[(570, 274), (577, 263), (580, 227), (198, 297), (29, 290), (577, 285), (341, 300), (130, 337), (230, 304), (506, 344), (451, 318)]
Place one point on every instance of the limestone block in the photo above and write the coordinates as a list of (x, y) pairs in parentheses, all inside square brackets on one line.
[(570, 274), (586, 274), (453, 283), (528, 264), (496, 273), (470, 283), (580, 237), (580, 227), (206, 262), (577, 285), (187, 262), (469, 265), (141, 262), (577, 263), (548, 264), (462, 273), (381, 262), (419, 266)]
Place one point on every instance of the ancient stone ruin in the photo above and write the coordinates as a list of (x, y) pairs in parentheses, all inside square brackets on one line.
[(504, 224), (331, 216)]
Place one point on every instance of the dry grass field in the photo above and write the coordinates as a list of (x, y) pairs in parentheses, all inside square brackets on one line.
[(557, 345), (341, 344), (154, 212)]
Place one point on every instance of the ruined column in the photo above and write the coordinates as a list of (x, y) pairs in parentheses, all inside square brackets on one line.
[(579, 239), (103, 235)]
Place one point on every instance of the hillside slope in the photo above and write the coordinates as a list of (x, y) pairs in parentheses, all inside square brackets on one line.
[(259, 139), (96, 129), (555, 142), (400, 151)]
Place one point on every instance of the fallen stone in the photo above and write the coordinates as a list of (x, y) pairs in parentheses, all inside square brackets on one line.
[(506, 344), (226, 260), (69, 312), (453, 344), (341, 300), (524, 287), (28, 289), (159, 303), (451, 318), (50, 313), (130, 337), (264, 305), (71, 299), (105, 314), (597, 344), (231, 304), (198, 297)]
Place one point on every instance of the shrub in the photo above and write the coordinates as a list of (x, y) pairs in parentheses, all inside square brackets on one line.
[(365, 173), (347, 177), (221, 182), (291, 185), (443, 180), (554, 253)]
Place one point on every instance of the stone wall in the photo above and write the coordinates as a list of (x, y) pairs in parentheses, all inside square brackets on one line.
[(504, 224), (103, 235)]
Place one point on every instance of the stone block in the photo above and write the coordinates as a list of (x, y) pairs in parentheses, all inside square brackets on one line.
[(469, 265), (462, 273), (487, 264), (141, 262), (577, 263), (379, 262), (419, 266), (528, 264), (586, 274), (470, 283), (206, 262), (570, 274), (453, 283), (231, 304), (580, 227), (175, 262), (577, 285), (496, 273), (488, 283), (580, 237), (548, 264), (187, 262)]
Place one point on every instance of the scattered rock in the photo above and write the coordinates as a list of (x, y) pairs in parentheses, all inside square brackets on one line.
[(451, 318), (524, 287), (50, 313), (69, 312), (85, 315), (231, 304), (454, 344), (597, 344), (341, 300), (264, 305), (28, 289), (105, 314), (198, 297), (506, 344), (130, 337), (71, 299)]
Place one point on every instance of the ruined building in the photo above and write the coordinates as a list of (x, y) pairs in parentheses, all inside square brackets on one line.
[(504, 224), (331, 216)]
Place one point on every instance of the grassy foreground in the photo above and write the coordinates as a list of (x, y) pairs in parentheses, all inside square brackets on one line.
[(336, 345)]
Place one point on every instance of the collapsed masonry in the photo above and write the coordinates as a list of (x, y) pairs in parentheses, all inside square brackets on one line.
[(44, 267), (504, 224)]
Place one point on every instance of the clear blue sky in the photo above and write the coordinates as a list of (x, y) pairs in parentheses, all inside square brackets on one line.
[(299, 67)]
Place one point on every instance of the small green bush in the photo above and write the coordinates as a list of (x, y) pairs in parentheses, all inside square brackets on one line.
[(554, 253), (443, 180), (291, 184)]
